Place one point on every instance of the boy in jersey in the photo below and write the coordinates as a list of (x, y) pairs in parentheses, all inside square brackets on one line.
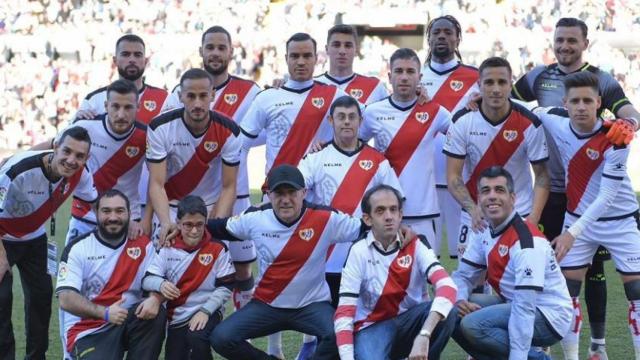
[(195, 275), (376, 320), (602, 209), (99, 288), (533, 308)]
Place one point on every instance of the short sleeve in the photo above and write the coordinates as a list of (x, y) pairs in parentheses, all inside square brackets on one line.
[(241, 225), (157, 263), (443, 120), (345, 228), (537, 150), (172, 101), (70, 270), (86, 190), (386, 175), (615, 163), (612, 94), (231, 150), (474, 254), (379, 92), (306, 168), (529, 268), (352, 274), (369, 127), (156, 149), (455, 144), (255, 120), (223, 266)]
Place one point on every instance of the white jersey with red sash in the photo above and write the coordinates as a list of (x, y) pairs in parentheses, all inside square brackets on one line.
[(28, 198), (405, 136), (339, 179), (196, 271), (191, 160), (103, 274), (115, 162), (291, 257), (150, 101), (293, 118), (365, 89), (512, 143)]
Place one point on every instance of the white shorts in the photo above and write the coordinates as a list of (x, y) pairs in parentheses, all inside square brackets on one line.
[(449, 220), (426, 227), (620, 237), (76, 228)]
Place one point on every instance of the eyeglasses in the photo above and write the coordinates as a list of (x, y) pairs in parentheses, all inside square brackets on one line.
[(189, 225)]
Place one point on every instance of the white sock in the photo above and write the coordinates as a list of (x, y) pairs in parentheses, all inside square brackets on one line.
[(274, 346), (306, 338), (241, 298), (571, 340), (634, 325)]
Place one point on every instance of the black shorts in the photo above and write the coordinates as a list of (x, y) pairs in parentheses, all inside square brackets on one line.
[(552, 217)]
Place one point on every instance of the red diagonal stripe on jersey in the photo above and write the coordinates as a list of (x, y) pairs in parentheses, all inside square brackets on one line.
[(124, 273), (232, 96), (410, 134), (305, 126), (497, 263), (196, 273), (114, 168), (455, 87), (502, 147), (361, 87), (293, 255), (150, 103), (395, 288), (187, 179), (21, 226), (582, 167)]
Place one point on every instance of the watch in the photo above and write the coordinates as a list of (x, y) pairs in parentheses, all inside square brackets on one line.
[(424, 332)]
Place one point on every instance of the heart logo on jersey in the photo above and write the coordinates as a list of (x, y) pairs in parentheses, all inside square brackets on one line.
[(422, 117), (404, 261), (356, 93), (132, 151), (366, 164), (503, 250), (318, 102), (510, 135), (134, 252), (210, 146), (306, 234), (230, 98), (456, 85), (205, 259), (149, 105), (593, 154)]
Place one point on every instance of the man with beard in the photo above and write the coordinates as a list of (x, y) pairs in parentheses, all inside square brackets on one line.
[(33, 184), (99, 288), (544, 84)]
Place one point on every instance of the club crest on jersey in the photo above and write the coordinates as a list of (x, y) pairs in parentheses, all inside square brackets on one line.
[(132, 151), (456, 85), (503, 250), (210, 146), (510, 135), (318, 102), (63, 270), (366, 164), (205, 259), (230, 98), (422, 117), (404, 261), (306, 234), (149, 105), (593, 154), (134, 252), (356, 93)]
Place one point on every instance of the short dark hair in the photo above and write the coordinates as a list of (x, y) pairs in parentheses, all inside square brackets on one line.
[(76, 133), (347, 102), (571, 22), (365, 205), (404, 54), (122, 87), (494, 172), (195, 74), (343, 29), (130, 38), (191, 204), (302, 37), (112, 193), (494, 62), (581, 79), (216, 30)]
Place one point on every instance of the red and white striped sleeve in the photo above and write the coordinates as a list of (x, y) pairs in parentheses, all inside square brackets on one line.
[(445, 289), (343, 321)]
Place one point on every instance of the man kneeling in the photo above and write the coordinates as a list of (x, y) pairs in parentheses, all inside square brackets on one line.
[(383, 287), (533, 307)]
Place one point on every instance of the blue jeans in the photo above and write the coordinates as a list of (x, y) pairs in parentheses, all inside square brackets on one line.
[(257, 319), (484, 334), (393, 338)]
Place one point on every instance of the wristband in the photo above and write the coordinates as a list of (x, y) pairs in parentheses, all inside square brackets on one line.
[(106, 314)]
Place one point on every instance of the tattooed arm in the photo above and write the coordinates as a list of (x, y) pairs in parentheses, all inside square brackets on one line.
[(459, 192), (540, 191)]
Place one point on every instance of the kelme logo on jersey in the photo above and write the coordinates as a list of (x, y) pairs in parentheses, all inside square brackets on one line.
[(230, 98), (356, 93), (149, 105), (210, 146), (132, 151), (306, 234), (503, 250), (205, 259), (366, 164), (510, 135), (456, 85), (134, 252), (318, 102), (404, 261), (422, 117), (593, 154)]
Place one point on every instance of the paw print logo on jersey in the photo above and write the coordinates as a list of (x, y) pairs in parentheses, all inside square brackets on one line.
[(456, 85), (134, 252), (149, 105), (356, 93), (510, 135), (405, 261), (528, 272), (132, 151), (422, 117), (318, 102), (230, 98), (503, 250), (306, 234), (593, 154), (366, 164), (205, 259), (210, 146)]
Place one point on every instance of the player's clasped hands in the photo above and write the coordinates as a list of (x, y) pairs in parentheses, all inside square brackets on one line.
[(116, 314), (169, 290)]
